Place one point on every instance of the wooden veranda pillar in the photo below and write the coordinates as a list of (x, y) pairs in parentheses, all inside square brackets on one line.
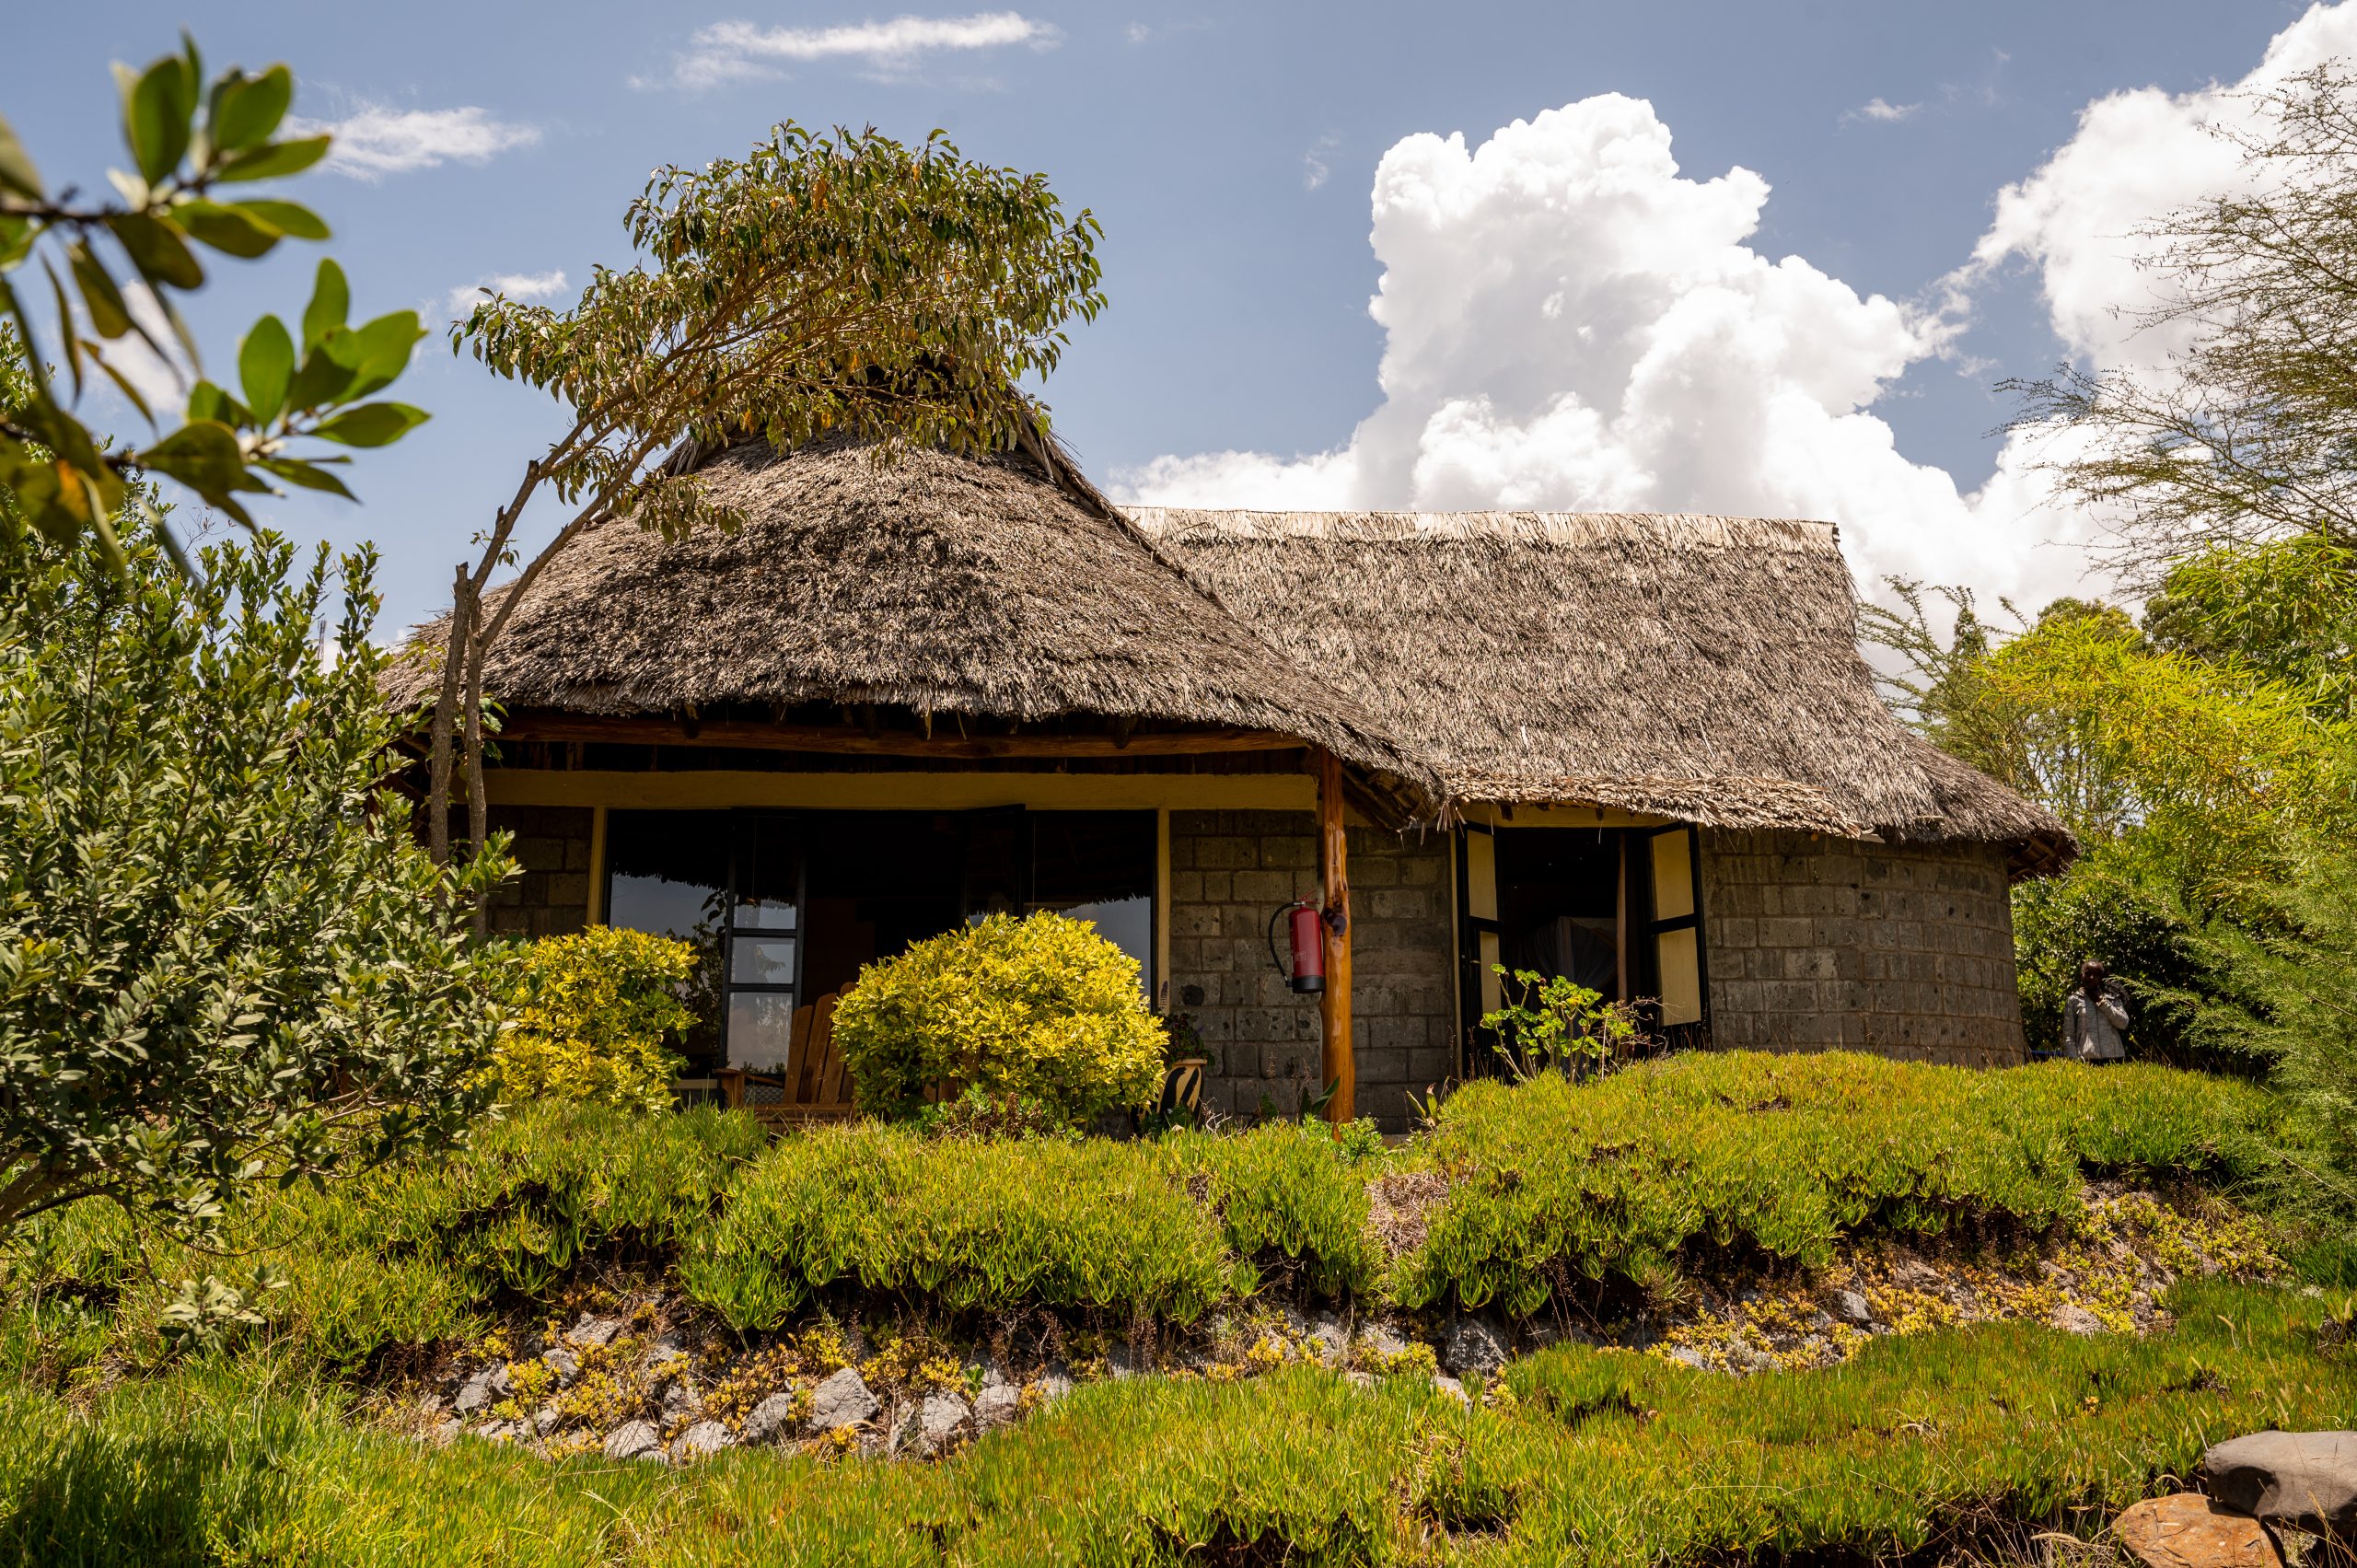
[(1336, 1065)]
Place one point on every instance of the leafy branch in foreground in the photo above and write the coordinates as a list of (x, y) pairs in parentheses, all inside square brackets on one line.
[(222, 957), (189, 139), (822, 285)]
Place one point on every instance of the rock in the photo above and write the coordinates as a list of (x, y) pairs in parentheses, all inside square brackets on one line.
[(2305, 1479), (503, 1383), (1361, 1379), (1331, 1340), (634, 1440), (705, 1437), (996, 1405), (1687, 1355), (940, 1422), (1054, 1385), (2077, 1319), (1914, 1273), (841, 1401), (591, 1330), (474, 1395), (2189, 1530), (680, 1402), (564, 1362), (994, 1375), (1474, 1347), (771, 1419), (1453, 1388), (545, 1419), (1851, 1307), (1381, 1344)]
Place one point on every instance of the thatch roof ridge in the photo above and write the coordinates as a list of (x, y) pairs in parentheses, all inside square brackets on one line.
[(1573, 530), (934, 582), (1696, 666)]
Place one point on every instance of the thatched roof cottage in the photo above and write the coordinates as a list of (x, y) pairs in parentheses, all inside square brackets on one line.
[(1642, 751)]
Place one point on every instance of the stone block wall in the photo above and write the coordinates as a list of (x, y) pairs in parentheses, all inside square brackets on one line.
[(1820, 944), (1229, 872), (552, 897)]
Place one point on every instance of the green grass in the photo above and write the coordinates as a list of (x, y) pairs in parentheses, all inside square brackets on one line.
[(1781, 1155), (1603, 1458)]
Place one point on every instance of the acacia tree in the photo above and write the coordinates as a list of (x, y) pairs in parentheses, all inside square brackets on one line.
[(823, 283), (2248, 436), (190, 140)]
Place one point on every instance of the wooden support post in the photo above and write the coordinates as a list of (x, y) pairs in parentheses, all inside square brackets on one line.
[(1336, 1064)]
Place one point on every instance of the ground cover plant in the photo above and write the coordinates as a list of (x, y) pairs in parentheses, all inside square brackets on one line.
[(1523, 1196), (1575, 1455), (1549, 1183)]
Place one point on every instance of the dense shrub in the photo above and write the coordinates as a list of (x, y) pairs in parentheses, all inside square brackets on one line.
[(592, 1013), (965, 1224), (1288, 1193), (1552, 1182), (1042, 1009), (1604, 1457)]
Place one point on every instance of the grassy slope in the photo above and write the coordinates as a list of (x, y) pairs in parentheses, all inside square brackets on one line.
[(1602, 1457)]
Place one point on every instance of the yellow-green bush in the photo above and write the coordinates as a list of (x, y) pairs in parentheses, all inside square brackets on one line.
[(593, 1012), (1042, 1009)]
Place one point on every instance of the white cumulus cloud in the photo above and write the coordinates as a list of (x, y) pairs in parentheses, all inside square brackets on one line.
[(375, 140), (514, 285), (739, 51), (1573, 322)]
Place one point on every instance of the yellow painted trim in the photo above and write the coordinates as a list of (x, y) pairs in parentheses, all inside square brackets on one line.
[(1554, 816), (597, 866), (1162, 907), (905, 792)]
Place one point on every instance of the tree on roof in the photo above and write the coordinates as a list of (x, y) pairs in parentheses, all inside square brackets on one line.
[(825, 283)]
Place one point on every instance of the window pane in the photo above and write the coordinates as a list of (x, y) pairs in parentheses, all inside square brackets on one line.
[(669, 870), (1098, 866), (761, 960), (1673, 874), (1680, 957), (768, 875), (760, 1029)]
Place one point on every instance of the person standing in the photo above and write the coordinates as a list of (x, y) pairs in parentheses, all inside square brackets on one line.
[(2094, 1018)]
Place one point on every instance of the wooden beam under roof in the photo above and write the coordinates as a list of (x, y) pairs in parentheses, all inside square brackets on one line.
[(761, 735)]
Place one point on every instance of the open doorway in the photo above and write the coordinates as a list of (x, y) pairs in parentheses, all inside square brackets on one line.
[(1615, 910)]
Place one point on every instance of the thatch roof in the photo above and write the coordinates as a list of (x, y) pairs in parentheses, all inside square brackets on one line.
[(992, 587), (1703, 668)]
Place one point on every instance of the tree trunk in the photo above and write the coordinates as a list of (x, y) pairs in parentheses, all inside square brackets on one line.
[(471, 714), (446, 709)]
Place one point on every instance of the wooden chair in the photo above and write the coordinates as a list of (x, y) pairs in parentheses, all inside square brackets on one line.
[(814, 1086)]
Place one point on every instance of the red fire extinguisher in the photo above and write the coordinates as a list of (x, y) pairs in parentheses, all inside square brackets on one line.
[(1305, 924)]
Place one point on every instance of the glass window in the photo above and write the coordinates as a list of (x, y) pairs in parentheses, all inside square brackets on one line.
[(760, 960), (768, 875), (1098, 866), (760, 1030), (668, 871)]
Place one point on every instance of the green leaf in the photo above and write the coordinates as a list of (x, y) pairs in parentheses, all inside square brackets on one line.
[(202, 454), (251, 108), (276, 158), (265, 365), (157, 249), (207, 401), (311, 476), (320, 381), (288, 217), (109, 313), (17, 171), (331, 301), (371, 425), (378, 353), (156, 112), (231, 230)]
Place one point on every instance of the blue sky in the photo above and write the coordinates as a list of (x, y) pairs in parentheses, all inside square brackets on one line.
[(1229, 151)]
